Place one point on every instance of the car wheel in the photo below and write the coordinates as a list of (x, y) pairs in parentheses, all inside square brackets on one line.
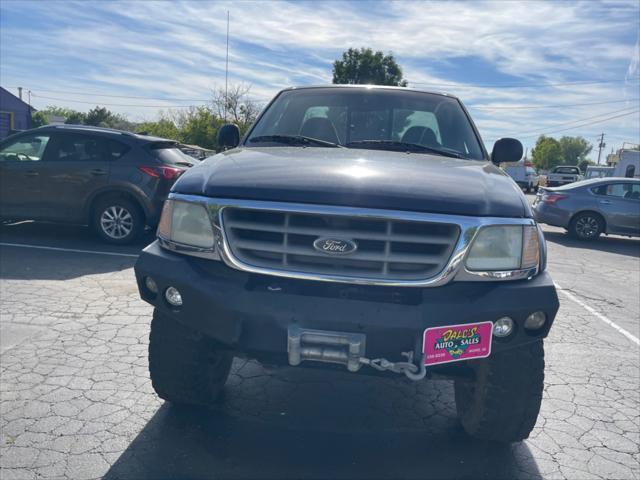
[(118, 220), (186, 368), (502, 402), (586, 226)]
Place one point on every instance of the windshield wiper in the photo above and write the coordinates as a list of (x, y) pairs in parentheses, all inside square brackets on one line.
[(294, 140), (405, 146)]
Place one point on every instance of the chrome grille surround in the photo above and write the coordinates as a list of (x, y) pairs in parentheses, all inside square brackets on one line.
[(466, 228)]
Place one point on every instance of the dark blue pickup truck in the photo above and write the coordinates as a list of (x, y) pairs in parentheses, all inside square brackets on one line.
[(355, 226)]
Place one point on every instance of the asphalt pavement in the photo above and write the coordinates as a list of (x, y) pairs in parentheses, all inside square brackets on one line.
[(76, 401)]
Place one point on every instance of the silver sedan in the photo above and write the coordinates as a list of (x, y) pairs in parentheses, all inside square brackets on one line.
[(591, 207)]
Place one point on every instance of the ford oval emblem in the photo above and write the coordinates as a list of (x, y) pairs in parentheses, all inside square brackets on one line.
[(335, 246)]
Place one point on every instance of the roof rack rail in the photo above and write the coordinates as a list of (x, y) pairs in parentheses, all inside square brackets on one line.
[(90, 128)]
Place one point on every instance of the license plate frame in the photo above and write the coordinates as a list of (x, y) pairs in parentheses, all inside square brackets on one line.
[(456, 343)]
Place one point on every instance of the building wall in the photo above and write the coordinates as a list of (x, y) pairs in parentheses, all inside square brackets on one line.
[(14, 113)]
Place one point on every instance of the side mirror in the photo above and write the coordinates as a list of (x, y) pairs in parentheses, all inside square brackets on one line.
[(228, 136), (506, 150)]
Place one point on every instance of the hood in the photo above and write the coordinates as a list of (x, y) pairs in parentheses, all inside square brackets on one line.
[(358, 178)]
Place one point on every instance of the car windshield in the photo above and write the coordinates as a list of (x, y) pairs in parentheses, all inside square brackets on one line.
[(566, 170), (376, 118)]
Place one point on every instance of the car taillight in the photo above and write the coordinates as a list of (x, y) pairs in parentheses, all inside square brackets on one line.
[(168, 173), (552, 198)]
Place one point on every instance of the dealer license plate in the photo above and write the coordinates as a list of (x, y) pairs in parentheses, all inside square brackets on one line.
[(453, 343)]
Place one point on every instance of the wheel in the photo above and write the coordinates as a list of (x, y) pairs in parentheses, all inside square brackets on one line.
[(117, 220), (502, 403), (586, 226), (186, 367)]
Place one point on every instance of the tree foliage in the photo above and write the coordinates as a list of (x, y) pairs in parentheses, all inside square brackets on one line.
[(550, 152), (364, 66), (547, 153), (574, 149), (192, 125), (237, 105)]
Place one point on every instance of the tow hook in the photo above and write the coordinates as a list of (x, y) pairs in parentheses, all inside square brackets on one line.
[(346, 349), (409, 368)]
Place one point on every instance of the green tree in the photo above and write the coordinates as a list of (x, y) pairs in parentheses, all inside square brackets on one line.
[(364, 66), (547, 153), (38, 119), (164, 128), (197, 126), (583, 164), (574, 150), (98, 117), (75, 118)]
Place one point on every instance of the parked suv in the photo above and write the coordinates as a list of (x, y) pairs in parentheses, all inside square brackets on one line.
[(358, 226), (114, 181)]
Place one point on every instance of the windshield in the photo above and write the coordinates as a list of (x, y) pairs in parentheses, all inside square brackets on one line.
[(367, 118), (567, 170)]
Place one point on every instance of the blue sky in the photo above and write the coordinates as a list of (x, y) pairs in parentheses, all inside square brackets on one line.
[(508, 61)]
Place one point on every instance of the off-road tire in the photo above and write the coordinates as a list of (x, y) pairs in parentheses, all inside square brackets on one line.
[(592, 219), (186, 367), (502, 403), (118, 204)]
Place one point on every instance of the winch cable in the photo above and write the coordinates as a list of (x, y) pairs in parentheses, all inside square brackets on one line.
[(410, 369)]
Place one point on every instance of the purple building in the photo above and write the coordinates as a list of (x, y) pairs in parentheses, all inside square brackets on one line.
[(15, 114)]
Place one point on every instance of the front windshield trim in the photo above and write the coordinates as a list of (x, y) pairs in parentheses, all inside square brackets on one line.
[(484, 156)]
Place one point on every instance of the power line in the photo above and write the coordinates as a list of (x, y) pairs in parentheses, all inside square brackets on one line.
[(94, 94), (531, 107), (521, 85), (584, 124), (114, 104), (627, 109)]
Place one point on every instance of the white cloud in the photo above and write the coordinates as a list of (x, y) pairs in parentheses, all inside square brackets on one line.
[(177, 50)]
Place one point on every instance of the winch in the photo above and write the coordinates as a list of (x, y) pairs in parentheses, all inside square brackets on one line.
[(344, 348)]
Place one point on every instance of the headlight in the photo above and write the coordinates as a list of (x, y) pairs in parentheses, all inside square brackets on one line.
[(187, 224), (504, 247)]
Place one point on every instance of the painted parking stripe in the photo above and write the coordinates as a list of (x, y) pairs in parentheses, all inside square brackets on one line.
[(597, 314), (73, 250)]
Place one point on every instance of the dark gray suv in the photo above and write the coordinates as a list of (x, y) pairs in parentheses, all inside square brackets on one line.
[(112, 180)]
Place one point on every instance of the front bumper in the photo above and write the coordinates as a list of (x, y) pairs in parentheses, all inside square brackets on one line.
[(251, 313)]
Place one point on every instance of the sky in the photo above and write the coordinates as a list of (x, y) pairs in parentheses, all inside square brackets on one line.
[(522, 68)]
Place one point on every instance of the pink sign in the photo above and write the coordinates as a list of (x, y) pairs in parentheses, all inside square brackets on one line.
[(454, 343)]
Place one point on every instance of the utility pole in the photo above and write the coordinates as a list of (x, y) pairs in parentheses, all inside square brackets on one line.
[(601, 145), (226, 73)]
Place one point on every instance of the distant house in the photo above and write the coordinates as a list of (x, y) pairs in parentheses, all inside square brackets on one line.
[(14, 113)]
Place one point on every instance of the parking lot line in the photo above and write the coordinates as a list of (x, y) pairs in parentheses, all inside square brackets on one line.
[(74, 250), (597, 314)]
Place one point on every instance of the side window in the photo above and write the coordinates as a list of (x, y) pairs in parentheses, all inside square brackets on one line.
[(24, 149), (78, 148), (619, 190), (630, 172), (116, 150)]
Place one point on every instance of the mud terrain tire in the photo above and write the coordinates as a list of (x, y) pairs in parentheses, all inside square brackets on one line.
[(185, 367), (503, 401)]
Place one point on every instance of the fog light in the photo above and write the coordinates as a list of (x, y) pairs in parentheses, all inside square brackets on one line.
[(151, 285), (503, 327), (173, 296), (535, 321)]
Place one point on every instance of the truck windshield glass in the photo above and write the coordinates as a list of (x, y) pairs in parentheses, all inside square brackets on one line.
[(368, 118)]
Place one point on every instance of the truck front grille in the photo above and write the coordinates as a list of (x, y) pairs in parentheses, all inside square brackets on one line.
[(387, 249)]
